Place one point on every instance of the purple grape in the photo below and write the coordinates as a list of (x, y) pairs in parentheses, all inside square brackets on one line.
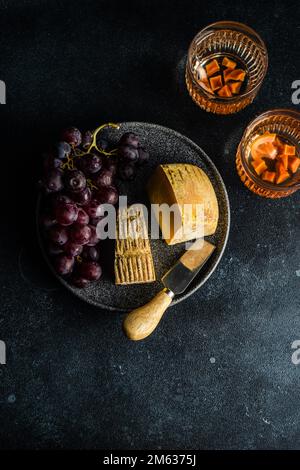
[(51, 163), (127, 172), (105, 178), (90, 163), (79, 281), (54, 249), (66, 214), (112, 165), (129, 138), (58, 235), (83, 218), (60, 199), (90, 270), (95, 220), (94, 238), (72, 249), (72, 136), (63, 264), (143, 156), (80, 234), (53, 182), (83, 198), (107, 195), (62, 150), (128, 153), (47, 221), (75, 181), (102, 144), (91, 253), (94, 209), (87, 139)]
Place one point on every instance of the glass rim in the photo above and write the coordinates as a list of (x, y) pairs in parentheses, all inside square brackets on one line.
[(250, 174), (247, 29)]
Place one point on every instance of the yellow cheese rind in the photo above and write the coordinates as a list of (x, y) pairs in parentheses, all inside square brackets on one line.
[(133, 258), (182, 184)]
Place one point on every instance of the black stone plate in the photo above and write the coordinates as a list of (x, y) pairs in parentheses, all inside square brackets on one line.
[(165, 146)]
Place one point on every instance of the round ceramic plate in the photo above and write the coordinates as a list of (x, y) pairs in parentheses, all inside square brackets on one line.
[(164, 146)]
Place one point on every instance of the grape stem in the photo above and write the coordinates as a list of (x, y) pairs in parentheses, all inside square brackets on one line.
[(90, 184), (69, 164), (94, 141)]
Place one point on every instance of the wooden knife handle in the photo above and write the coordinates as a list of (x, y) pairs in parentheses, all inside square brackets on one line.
[(143, 320)]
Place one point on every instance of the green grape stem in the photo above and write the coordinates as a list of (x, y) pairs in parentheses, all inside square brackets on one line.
[(69, 164), (90, 184), (94, 141)]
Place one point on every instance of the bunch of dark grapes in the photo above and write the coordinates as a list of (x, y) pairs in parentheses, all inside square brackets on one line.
[(77, 180), (131, 155)]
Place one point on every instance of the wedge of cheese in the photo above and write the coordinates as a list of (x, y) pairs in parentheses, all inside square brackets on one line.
[(190, 193), (133, 258)]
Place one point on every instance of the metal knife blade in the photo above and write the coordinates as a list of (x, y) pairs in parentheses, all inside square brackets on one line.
[(187, 267)]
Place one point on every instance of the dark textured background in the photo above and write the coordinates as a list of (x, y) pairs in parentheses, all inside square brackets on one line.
[(72, 380)]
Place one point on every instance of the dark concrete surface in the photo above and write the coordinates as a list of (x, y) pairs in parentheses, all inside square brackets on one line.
[(218, 372)]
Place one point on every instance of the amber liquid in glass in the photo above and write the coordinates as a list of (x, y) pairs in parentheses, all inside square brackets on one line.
[(254, 182), (271, 164), (240, 65)]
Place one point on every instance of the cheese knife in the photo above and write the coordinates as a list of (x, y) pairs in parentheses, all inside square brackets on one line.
[(142, 321)]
